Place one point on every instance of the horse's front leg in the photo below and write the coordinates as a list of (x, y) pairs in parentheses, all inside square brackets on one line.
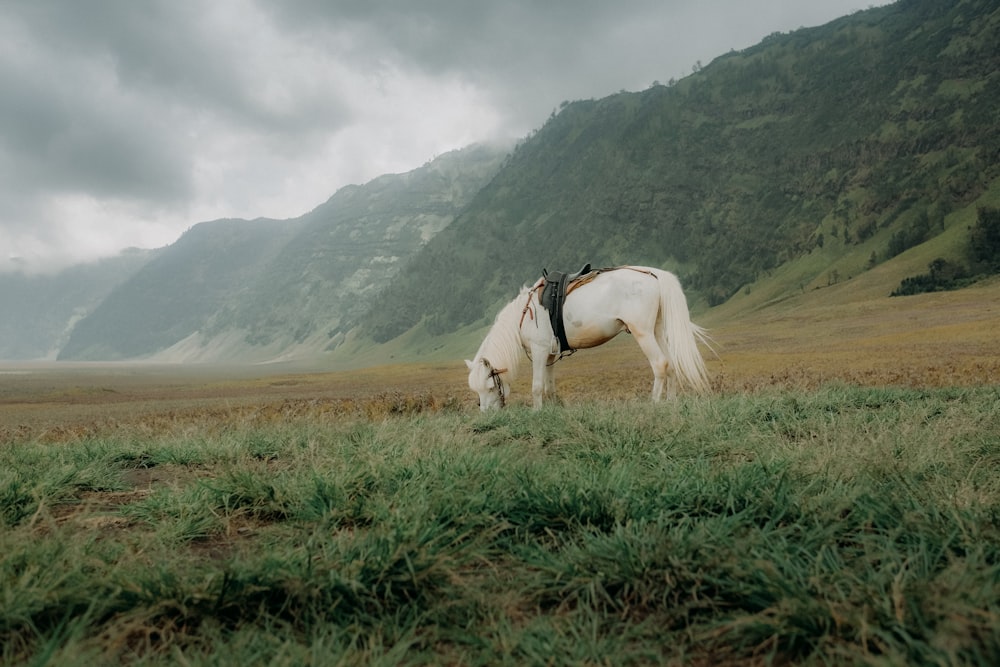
[(550, 382), (540, 375)]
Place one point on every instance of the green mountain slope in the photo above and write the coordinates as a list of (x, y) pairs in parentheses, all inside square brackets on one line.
[(854, 139)]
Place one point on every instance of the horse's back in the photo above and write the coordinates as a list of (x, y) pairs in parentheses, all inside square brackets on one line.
[(611, 291), (609, 303)]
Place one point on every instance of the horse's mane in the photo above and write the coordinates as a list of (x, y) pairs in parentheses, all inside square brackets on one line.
[(502, 345)]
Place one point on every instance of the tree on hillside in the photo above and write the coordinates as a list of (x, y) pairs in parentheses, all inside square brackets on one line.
[(983, 254), (984, 240)]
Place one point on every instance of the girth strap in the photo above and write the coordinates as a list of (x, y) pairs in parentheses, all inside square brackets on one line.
[(553, 295)]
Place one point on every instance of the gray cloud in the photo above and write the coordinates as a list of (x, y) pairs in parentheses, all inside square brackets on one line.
[(529, 56), (66, 137), (123, 123)]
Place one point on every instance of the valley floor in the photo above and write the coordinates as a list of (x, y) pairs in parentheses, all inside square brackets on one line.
[(929, 340)]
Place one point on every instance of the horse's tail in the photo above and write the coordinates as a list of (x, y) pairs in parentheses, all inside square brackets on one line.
[(681, 334)]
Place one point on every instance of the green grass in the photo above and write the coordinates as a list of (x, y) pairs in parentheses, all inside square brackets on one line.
[(840, 526)]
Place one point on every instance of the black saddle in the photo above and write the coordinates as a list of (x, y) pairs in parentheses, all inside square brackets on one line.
[(553, 295)]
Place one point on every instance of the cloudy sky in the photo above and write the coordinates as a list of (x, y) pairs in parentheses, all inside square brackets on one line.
[(124, 122)]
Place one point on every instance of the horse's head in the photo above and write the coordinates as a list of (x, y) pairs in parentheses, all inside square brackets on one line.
[(489, 383)]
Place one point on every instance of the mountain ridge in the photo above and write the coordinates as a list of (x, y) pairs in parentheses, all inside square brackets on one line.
[(238, 290)]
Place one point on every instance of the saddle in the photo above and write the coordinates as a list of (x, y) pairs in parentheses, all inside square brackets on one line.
[(554, 291)]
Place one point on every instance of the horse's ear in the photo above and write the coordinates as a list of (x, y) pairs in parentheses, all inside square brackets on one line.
[(469, 364)]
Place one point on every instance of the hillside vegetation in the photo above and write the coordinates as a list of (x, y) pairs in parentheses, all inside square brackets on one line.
[(833, 149)]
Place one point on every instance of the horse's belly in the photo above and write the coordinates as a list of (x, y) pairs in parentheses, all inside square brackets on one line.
[(582, 336), (593, 314)]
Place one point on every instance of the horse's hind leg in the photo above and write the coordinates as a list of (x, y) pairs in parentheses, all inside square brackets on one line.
[(662, 373), (671, 383)]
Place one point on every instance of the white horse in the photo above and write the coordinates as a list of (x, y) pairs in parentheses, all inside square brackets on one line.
[(646, 302)]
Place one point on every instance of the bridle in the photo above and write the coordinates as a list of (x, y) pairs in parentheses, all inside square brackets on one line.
[(498, 383)]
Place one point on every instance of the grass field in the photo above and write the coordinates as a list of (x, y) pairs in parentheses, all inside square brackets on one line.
[(835, 500)]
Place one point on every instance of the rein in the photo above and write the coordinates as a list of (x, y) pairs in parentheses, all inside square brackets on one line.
[(498, 383)]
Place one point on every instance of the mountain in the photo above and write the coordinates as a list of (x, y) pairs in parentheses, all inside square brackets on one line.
[(176, 293), (830, 150), (237, 290), (864, 150), (40, 311), (351, 246)]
